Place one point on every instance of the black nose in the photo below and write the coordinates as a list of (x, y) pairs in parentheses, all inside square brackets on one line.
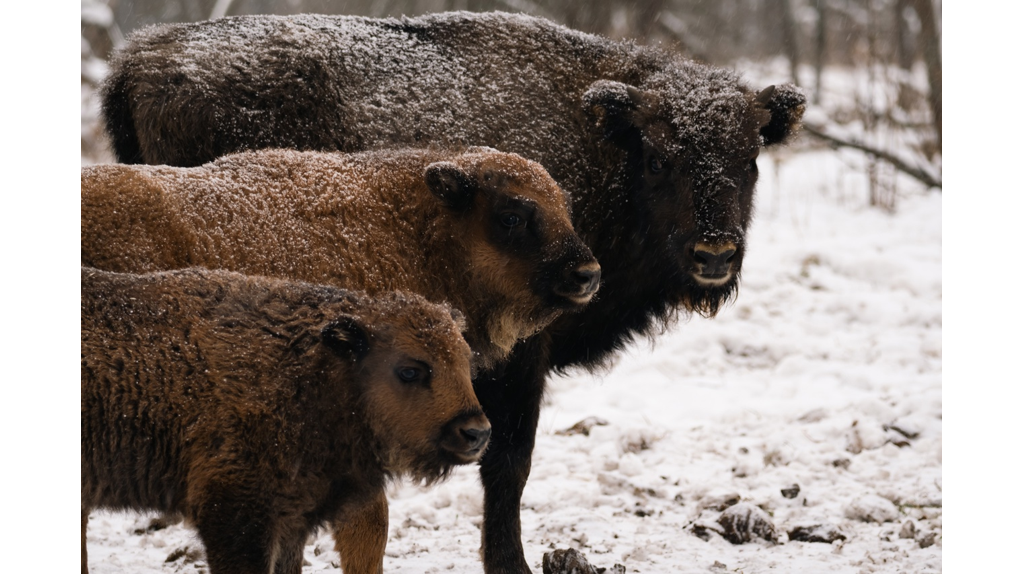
[(587, 279), (714, 263), (584, 280), (475, 438)]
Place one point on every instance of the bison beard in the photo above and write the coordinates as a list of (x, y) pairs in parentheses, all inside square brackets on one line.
[(651, 149)]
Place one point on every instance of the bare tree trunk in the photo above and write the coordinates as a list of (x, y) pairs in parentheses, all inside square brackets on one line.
[(220, 9), (904, 55), (904, 38), (789, 37), (819, 48), (931, 48)]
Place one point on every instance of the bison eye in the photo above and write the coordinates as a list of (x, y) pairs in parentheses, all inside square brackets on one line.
[(656, 165), (409, 374), (509, 219)]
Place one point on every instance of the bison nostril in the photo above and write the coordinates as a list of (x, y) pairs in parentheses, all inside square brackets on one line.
[(714, 264), (579, 282), (586, 277), (475, 437)]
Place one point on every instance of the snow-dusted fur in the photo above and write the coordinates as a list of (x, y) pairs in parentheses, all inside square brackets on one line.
[(260, 409), (657, 154), (427, 221)]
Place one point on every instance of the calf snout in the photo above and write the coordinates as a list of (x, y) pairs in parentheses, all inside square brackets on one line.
[(467, 436), (579, 283), (714, 263), (475, 437)]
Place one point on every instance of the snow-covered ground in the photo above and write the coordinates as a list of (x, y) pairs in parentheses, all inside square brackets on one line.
[(826, 373)]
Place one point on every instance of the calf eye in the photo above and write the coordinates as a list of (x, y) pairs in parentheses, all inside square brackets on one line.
[(656, 165), (509, 219), (409, 374)]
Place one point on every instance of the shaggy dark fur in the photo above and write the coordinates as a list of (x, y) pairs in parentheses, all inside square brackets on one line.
[(485, 231), (260, 409), (657, 153)]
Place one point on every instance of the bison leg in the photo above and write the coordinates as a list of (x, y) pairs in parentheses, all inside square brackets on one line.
[(237, 531), (511, 400), (361, 538), (289, 552), (85, 526)]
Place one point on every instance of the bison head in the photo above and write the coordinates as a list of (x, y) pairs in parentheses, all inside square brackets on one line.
[(691, 136), (411, 372), (526, 261)]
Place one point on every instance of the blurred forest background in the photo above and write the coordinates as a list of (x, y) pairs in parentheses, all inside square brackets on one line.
[(871, 68)]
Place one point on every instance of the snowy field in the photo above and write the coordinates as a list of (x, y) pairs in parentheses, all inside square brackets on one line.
[(815, 400)]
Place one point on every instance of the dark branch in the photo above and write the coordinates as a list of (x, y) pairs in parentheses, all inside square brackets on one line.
[(913, 171)]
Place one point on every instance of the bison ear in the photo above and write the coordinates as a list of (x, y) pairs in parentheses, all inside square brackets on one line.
[(611, 105), (346, 337), (459, 318), (786, 105), (450, 184)]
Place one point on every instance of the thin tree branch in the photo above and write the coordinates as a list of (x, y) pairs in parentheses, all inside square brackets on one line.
[(915, 172)]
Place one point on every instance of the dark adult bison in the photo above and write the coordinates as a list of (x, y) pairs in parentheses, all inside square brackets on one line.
[(657, 153)]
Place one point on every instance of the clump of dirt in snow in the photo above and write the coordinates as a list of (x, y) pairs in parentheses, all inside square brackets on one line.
[(157, 523), (188, 554), (583, 427), (827, 533), (872, 508), (570, 561), (744, 522)]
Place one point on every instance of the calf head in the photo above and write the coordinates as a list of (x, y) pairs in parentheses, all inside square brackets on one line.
[(411, 369), (524, 257), (691, 136)]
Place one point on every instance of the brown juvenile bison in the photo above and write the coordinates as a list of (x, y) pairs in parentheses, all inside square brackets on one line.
[(261, 409), (657, 153), (488, 232)]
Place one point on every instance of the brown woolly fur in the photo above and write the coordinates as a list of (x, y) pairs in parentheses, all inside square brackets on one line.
[(261, 409), (427, 221), (657, 153)]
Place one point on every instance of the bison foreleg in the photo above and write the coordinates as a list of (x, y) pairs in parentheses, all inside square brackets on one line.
[(361, 538), (237, 531), (85, 554), (511, 401), (289, 553)]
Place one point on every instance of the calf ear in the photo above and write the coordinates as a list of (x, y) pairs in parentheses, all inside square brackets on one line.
[(346, 337), (612, 105), (450, 184), (786, 105), (459, 318)]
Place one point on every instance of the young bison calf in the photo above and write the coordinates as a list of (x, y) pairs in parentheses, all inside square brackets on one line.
[(487, 232), (260, 408)]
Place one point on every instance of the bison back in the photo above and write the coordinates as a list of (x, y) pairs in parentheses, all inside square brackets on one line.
[(198, 91)]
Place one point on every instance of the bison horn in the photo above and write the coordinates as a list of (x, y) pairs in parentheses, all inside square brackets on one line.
[(635, 95), (765, 95)]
